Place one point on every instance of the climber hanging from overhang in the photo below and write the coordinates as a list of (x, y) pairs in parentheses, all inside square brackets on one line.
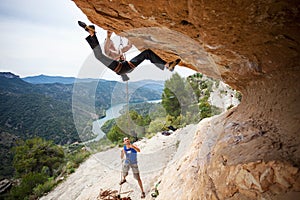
[(116, 53), (124, 67)]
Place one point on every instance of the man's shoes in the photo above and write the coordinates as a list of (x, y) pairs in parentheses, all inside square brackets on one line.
[(87, 28), (143, 195), (82, 24), (172, 64)]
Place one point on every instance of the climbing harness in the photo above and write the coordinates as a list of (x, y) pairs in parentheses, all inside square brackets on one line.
[(122, 58)]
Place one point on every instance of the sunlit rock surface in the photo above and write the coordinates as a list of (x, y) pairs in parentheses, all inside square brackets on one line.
[(251, 151)]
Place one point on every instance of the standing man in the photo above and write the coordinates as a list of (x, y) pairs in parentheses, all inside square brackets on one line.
[(130, 152)]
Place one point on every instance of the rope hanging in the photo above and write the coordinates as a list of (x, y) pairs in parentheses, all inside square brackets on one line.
[(123, 57), (127, 100), (121, 45)]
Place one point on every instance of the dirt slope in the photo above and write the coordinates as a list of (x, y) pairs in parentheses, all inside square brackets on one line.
[(102, 170)]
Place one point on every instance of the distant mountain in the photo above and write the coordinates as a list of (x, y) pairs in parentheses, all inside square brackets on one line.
[(100, 92), (8, 75), (28, 110), (43, 79), (143, 90)]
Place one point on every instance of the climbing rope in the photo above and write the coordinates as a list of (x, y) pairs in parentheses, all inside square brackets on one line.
[(121, 45), (123, 57), (128, 114), (112, 195), (122, 165), (120, 189)]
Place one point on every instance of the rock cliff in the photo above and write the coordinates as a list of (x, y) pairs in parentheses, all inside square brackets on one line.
[(253, 150)]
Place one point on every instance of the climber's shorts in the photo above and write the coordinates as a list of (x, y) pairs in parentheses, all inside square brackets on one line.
[(135, 170)]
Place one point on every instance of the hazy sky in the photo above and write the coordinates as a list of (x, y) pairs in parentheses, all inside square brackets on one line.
[(43, 37)]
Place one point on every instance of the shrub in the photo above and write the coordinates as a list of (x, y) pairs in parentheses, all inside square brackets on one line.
[(156, 125), (35, 154), (28, 182), (238, 95), (177, 144), (150, 135), (44, 188), (71, 165), (79, 157), (230, 106), (71, 170)]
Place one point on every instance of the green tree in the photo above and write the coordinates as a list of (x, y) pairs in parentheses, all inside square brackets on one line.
[(35, 154), (170, 102), (115, 134), (108, 125), (173, 92), (179, 96), (207, 110)]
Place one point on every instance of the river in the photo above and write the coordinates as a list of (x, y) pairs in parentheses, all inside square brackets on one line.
[(111, 113)]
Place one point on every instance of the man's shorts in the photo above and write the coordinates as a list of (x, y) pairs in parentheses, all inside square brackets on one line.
[(135, 170)]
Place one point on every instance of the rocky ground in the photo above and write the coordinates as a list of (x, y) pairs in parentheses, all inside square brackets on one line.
[(102, 170)]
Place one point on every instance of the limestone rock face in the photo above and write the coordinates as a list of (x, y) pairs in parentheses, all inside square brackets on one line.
[(249, 152), (223, 165)]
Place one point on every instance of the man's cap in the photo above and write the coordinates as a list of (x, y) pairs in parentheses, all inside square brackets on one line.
[(125, 138)]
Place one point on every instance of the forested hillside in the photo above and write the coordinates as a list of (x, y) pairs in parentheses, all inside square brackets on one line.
[(45, 110), (184, 101)]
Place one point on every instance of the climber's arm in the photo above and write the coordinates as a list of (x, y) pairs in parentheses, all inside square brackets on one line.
[(109, 47), (127, 47), (110, 52)]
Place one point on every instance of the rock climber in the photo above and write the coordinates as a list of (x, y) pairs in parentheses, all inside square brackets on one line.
[(111, 51), (130, 152), (124, 67)]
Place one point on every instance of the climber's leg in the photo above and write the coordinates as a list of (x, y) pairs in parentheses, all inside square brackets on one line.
[(149, 55)]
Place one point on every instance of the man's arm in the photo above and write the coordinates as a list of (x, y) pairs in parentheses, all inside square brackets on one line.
[(109, 48), (122, 154), (127, 47), (135, 148), (108, 44)]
